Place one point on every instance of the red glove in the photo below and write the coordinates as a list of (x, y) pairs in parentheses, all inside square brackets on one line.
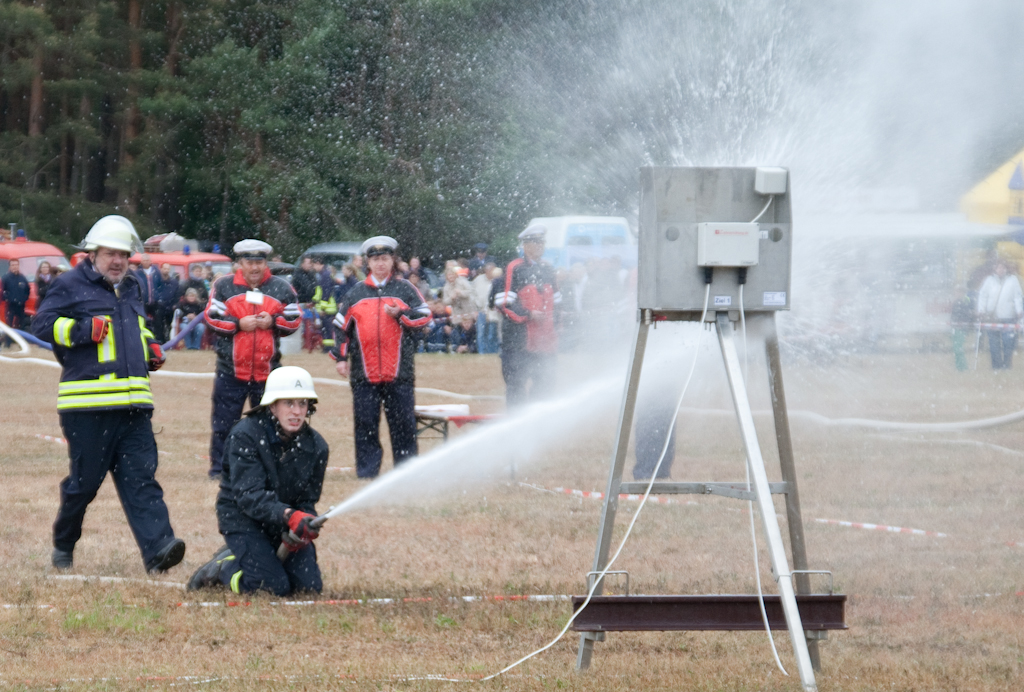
[(100, 325), (298, 523), (158, 358)]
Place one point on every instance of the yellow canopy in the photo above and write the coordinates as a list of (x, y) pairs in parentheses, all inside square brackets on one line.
[(990, 200)]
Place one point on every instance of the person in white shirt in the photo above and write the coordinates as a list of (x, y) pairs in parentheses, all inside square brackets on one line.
[(1000, 301)]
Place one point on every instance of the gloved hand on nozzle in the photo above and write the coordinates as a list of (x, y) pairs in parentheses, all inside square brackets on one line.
[(300, 533)]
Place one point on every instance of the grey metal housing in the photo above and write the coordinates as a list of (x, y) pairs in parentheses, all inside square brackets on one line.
[(672, 202)]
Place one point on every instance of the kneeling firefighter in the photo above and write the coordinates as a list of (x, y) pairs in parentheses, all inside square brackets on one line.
[(274, 465)]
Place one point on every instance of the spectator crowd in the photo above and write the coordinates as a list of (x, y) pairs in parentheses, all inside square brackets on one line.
[(596, 301), (463, 321)]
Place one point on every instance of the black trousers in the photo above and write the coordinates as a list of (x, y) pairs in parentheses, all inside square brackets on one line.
[(15, 319), (523, 368), (229, 395), (119, 442), (256, 558), (399, 402), (156, 314)]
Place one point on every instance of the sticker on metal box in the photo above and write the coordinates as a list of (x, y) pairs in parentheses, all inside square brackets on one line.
[(775, 298), (723, 301)]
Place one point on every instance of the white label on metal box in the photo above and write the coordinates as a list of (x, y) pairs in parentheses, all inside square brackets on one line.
[(722, 300), (775, 298), (254, 297)]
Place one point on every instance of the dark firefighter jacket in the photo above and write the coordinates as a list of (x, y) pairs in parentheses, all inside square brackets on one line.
[(250, 356), (264, 475), (114, 373), (16, 290), (381, 347)]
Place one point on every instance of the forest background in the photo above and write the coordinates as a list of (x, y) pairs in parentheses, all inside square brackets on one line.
[(444, 122)]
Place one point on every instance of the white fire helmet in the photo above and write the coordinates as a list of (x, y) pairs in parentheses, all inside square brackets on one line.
[(114, 232), (288, 382)]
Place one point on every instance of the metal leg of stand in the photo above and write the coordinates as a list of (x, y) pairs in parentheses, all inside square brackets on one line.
[(611, 498), (794, 519), (776, 548)]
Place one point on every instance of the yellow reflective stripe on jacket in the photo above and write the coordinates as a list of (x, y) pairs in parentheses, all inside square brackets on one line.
[(83, 401), (236, 582), (109, 391), (62, 331), (146, 334), (105, 384), (106, 350)]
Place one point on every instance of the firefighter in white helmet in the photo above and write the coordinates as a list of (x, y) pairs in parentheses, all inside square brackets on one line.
[(93, 316), (274, 465)]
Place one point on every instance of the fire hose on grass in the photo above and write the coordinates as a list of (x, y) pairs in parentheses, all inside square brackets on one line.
[(23, 338)]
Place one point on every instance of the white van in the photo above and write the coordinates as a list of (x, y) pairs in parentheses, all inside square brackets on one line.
[(572, 239)]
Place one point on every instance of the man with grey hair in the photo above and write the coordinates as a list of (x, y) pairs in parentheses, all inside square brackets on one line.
[(92, 316)]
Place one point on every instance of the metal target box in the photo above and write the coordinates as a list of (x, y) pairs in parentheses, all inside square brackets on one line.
[(692, 219)]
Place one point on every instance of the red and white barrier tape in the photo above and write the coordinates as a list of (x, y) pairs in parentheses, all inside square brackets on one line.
[(537, 598), (525, 598), (881, 527), (667, 501), (180, 680)]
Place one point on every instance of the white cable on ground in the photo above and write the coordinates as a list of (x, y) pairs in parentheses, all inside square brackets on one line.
[(113, 580), (209, 376), (750, 510), (36, 361), (639, 509)]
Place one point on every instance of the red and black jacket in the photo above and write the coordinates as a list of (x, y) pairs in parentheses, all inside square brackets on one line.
[(381, 347), (525, 289), (250, 356)]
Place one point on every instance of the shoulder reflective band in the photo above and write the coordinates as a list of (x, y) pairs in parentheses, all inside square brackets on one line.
[(62, 331)]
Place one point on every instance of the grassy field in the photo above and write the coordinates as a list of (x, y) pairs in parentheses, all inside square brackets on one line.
[(924, 612)]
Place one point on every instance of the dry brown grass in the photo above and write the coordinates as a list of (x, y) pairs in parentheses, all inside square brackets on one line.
[(924, 613)]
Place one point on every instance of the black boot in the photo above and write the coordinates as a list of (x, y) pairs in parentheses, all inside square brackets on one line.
[(170, 555), (62, 559), (208, 576)]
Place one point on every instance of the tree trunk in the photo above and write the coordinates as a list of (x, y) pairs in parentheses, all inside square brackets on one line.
[(35, 108), (175, 28), (78, 165), (224, 216), (65, 148), (35, 111), (131, 124), (394, 59)]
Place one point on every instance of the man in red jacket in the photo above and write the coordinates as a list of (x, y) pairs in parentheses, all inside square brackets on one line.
[(249, 311), (375, 328)]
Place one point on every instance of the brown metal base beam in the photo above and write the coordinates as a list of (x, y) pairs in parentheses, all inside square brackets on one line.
[(715, 612)]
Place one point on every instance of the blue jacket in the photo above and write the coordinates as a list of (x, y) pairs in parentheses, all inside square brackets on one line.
[(15, 289), (158, 283), (113, 374)]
